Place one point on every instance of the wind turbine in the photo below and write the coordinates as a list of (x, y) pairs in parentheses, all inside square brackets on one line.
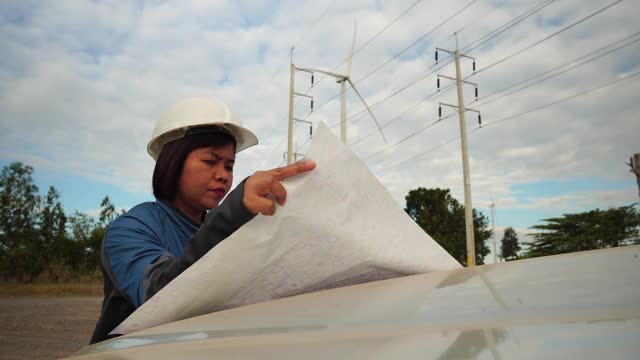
[(493, 225), (342, 80)]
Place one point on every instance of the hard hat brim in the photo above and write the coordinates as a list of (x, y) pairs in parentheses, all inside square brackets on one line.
[(244, 137)]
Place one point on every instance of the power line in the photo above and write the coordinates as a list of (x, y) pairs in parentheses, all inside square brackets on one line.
[(315, 22), (518, 52), (508, 25), (424, 75), (478, 42), (544, 79), (401, 52), (435, 122), (310, 28), (412, 108), (545, 38), (279, 144), (407, 137), (305, 143), (360, 48), (492, 123), (395, 118), (419, 155), (365, 44), (371, 39), (511, 23), (511, 117), (424, 36), (560, 72)]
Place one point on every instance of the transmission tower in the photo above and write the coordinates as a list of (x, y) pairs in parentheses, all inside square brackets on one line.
[(493, 227), (468, 209)]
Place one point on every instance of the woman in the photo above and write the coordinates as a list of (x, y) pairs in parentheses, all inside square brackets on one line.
[(194, 145)]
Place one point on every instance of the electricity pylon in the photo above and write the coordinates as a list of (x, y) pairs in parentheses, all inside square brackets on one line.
[(493, 226), (468, 210), (342, 79)]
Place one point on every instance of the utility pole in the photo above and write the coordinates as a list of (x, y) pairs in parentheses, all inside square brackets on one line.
[(343, 109), (634, 164), (290, 133), (342, 79), (493, 227), (290, 152), (468, 209)]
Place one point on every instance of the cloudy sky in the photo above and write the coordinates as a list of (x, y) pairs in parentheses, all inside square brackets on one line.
[(82, 83)]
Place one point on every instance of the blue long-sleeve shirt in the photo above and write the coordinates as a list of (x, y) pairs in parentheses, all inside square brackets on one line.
[(140, 237), (146, 248)]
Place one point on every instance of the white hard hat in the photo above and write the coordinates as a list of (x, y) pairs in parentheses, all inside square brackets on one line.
[(194, 113)]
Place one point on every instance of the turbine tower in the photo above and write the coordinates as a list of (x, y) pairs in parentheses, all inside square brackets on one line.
[(342, 80)]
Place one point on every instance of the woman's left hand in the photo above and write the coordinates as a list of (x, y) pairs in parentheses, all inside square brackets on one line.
[(259, 186)]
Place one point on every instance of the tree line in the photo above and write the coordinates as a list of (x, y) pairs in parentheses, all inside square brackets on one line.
[(442, 216), (37, 238)]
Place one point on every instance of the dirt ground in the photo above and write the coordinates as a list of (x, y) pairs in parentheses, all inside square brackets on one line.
[(46, 327)]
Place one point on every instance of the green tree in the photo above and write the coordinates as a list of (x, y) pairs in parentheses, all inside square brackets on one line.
[(618, 226), (510, 246), (94, 248), (82, 225), (107, 212), (19, 202), (595, 229), (52, 227), (18, 199), (442, 217)]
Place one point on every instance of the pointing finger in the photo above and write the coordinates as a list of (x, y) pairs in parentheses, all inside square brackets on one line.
[(293, 169)]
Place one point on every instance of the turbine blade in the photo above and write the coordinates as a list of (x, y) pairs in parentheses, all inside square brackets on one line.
[(353, 44), (368, 109)]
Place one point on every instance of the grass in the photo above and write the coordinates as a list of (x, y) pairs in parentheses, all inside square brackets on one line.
[(84, 288)]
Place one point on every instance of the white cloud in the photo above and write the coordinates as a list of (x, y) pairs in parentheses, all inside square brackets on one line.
[(580, 199), (95, 212), (81, 84)]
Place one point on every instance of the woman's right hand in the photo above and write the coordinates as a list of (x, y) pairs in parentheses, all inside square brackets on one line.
[(262, 187)]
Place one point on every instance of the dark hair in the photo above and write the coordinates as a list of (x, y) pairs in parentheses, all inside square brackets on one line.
[(172, 156)]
